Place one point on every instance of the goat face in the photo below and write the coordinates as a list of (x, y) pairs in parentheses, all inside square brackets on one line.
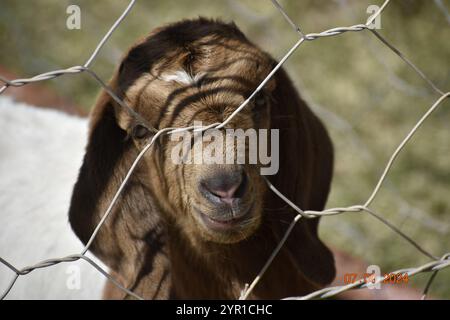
[(200, 71), (203, 82)]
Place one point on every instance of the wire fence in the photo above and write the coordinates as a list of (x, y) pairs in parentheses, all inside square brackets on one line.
[(434, 266)]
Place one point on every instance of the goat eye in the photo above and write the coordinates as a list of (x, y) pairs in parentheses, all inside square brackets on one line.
[(260, 100), (140, 132)]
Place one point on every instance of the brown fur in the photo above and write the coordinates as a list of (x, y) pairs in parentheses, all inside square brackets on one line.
[(153, 241)]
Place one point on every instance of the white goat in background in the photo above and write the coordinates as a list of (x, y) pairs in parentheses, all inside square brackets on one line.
[(40, 155)]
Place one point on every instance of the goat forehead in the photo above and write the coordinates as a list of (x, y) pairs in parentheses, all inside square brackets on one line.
[(216, 78), (189, 63), (170, 97)]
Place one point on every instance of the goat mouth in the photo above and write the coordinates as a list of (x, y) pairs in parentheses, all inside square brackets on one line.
[(221, 224)]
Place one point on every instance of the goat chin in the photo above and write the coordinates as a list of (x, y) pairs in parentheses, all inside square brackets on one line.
[(40, 155)]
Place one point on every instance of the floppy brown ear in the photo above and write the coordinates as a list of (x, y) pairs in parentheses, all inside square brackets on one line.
[(304, 176), (133, 232)]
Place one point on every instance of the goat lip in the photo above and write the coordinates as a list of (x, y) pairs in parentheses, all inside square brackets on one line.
[(219, 225), (225, 224)]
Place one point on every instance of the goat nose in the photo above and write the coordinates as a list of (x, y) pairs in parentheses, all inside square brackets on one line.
[(225, 186)]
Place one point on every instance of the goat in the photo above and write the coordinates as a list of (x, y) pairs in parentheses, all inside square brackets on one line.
[(202, 231), (33, 226)]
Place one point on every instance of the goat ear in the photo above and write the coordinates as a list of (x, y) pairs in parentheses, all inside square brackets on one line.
[(304, 176), (106, 146), (133, 232)]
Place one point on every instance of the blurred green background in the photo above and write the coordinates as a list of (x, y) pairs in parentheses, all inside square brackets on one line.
[(367, 96)]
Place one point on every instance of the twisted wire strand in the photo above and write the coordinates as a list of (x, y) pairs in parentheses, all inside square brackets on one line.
[(433, 266), (443, 9), (52, 262)]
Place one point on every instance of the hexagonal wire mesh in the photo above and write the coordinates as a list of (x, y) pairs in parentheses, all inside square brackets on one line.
[(436, 263)]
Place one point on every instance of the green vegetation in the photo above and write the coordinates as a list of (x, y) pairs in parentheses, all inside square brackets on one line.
[(367, 96)]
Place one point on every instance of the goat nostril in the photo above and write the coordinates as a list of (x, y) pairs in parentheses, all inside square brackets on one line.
[(225, 196), (226, 188)]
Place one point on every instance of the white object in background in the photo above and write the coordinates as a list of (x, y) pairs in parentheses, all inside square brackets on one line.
[(40, 155)]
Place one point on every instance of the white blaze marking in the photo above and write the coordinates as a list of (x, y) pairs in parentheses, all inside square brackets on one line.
[(182, 77)]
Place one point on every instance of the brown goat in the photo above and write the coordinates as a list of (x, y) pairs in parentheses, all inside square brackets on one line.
[(171, 235)]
